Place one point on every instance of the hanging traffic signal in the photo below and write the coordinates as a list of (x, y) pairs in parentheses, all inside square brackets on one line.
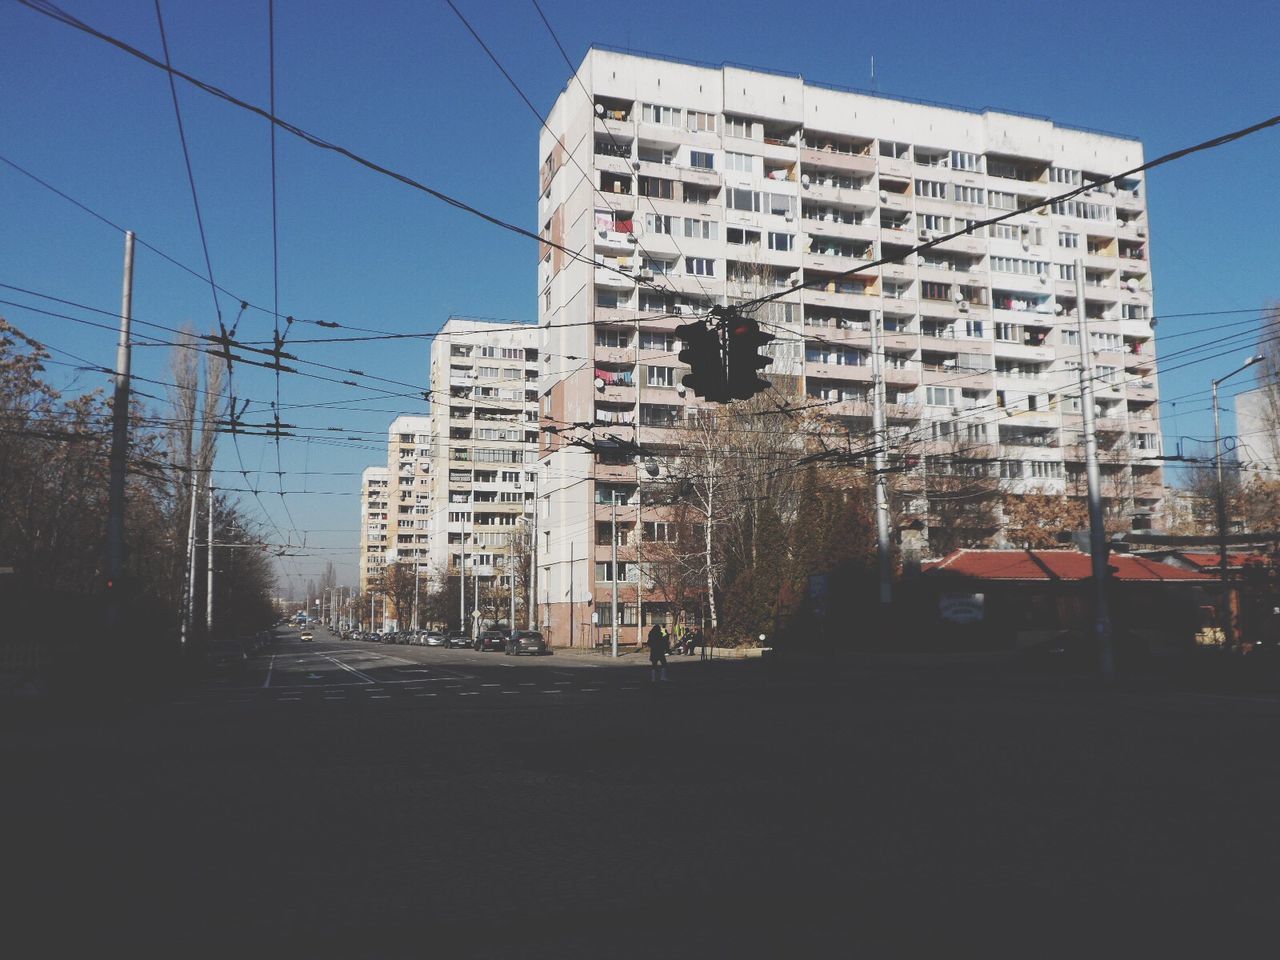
[(744, 338), (705, 359)]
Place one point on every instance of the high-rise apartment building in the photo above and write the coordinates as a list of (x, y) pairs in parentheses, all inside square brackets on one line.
[(682, 186), (410, 455), (483, 461), (374, 506)]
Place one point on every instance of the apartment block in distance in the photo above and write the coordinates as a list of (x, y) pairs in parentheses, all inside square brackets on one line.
[(373, 524), (711, 185), (483, 461)]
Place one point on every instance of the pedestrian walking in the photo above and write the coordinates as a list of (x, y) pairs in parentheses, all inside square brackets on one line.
[(659, 643)]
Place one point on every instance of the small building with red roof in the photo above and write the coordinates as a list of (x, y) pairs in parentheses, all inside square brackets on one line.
[(1016, 598)]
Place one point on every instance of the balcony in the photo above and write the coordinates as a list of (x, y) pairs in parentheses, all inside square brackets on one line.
[(901, 168), (620, 394), (857, 198), (615, 126), (832, 263), (615, 242), (968, 243), (613, 280), (830, 227), (841, 372), (1022, 351), (828, 159)]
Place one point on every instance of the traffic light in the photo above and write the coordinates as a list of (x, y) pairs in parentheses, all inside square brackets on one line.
[(705, 359), (744, 338)]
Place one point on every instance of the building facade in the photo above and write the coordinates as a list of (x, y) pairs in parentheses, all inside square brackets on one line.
[(374, 507), (1258, 432), (484, 457), (682, 186)]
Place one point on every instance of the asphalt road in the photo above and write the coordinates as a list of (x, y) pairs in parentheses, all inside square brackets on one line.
[(355, 800)]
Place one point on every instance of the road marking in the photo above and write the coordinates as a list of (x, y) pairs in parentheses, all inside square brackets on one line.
[(553, 691), (528, 684), (505, 692), (267, 682), (424, 694), (590, 689), (469, 693), (350, 669), (382, 696), (490, 684), (560, 683), (335, 698)]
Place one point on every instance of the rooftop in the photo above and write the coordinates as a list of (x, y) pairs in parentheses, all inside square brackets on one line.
[(1051, 565)]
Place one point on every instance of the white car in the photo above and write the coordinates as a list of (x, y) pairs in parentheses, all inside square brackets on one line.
[(307, 635)]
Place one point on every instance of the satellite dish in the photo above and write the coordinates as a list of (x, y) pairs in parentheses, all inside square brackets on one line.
[(1133, 285), (1057, 308), (599, 109), (651, 468), (804, 180), (884, 196), (599, 384)]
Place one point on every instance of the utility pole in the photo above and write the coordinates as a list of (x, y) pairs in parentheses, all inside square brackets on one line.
[(511, 573), (189, 600), (372, 594), (533, 560), (613, 634), (1228, 632), (462, 584), (881, 456), (208, 590), (1097, 531), (119, 444), (417, 575)]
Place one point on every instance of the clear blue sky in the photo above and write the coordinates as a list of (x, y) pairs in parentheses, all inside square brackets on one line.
[(402, 83)]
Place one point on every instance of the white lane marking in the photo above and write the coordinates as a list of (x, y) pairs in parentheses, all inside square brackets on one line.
[(490, 684), (469, 693), (560, 683), (381, 697), (528, 684), (424, 694), (553, 691), (363, 676), (563, 673), (335, 698), (590, 689), (267, 682), (505, 692)]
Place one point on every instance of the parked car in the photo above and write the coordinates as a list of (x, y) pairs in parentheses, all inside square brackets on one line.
[(434, 638), (526, 641), (491, 640), (457, 639)]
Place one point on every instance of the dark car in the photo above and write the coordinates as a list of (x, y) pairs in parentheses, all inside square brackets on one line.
[(526, 641), (434, 638), (457, 639), (491, 640)]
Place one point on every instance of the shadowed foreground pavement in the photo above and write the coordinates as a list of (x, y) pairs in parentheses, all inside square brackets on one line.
[(733, 811)]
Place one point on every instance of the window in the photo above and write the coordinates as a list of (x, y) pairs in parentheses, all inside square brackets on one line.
[(1063, 175), (931, 290), (976, 432), (738, 127), (660, 377), (700, 122), (780, 204), (656, 187), (965, 194), (699, 195), (781, 241), (1069, 240), (702, 160), (1066, 271), (739, 162), (1003, 231), (931, 188), (1008, 332), (973, 329), (657, 222), (659, 267), (486, 371), (700, 229), (1135, 311), (965, 161), (1044, 469), (658, 532), (652, 302), (1070, 338), (1010, 469), (1001, 201), (656, 340), (1017, 265), (613, 338), (665, 116), (738, 236), (934, 221), (940, 396), (739, 199), (1080, 209), (700, 266)]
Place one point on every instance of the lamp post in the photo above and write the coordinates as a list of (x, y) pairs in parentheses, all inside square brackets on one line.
[(1227, 637)]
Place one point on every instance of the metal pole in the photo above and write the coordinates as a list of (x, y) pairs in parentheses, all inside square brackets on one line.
[(1097, 531), (533, 560), (189, 599), (511, 572), (573, 612), (614, 540), (462, 583), (881, 458), (208, 590), (417, 575), (371, 596), (119, 444)]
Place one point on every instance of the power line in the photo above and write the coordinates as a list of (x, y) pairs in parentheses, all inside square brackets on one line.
[(48, 9)]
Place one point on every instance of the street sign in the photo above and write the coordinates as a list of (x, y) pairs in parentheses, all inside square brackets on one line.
[(961, 607)]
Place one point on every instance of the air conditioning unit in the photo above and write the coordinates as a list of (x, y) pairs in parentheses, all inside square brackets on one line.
[(925, 235), (963, 306), (1140, 231)]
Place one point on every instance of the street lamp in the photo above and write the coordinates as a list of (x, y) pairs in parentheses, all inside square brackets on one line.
[(1227, 637)]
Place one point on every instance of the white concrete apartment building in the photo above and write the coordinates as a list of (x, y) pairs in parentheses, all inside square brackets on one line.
[(411, 445), (483, 461), (715, 184), (1258, 442), (374, 505)]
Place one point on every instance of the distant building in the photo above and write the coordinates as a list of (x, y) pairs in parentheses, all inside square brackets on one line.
[(373, 524), (1258, 431)]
